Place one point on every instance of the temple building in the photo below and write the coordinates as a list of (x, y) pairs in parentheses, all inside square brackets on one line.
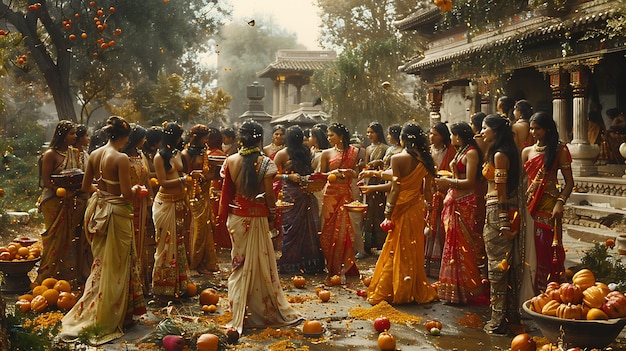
[(294, 102), (563, 59)]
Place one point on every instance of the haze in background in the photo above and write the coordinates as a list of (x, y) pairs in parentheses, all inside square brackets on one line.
[(298, 16)]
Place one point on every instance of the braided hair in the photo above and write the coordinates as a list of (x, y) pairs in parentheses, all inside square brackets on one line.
[(250, 137), (417, 144), (62, 129)]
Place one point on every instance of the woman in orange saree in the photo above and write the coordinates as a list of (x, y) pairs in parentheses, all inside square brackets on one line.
[(399, 276), (339, 163)]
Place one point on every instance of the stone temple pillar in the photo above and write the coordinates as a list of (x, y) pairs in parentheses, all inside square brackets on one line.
[(559, 103), (583, 154), (282, 92), (276, 97)]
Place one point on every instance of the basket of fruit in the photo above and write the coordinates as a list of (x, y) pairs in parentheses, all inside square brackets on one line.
[(583, 313)]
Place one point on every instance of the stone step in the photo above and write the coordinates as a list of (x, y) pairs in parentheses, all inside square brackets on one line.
[(589, 235)]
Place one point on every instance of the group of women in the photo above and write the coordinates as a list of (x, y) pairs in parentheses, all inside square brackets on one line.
[(446, 204)]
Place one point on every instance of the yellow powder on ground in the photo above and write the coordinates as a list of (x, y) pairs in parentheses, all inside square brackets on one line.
[(271, 333), (287, 345), (300, 299), (44, 320), (221, 319), (384, 309)]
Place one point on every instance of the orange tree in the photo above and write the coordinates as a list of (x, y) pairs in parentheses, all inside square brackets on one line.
[(87, 50)]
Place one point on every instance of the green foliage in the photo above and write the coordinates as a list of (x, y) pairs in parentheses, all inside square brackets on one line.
[(370, 51), (606, 267)]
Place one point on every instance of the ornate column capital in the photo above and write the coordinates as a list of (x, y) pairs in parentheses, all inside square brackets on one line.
[(558, 82)]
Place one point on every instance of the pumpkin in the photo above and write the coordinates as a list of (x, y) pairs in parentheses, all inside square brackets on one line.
[(62, 285), (615, 305), (386, 341), (28, 297), (603, 287), (523, 342), (312, 327), (207, 342), (39, 303), (584, 278), (49, 282), (553, 290), (66, 301), (549, 309), (39, 289), (52, 296), (537, 302), (571, 293), (23, 305), (335, 280), (569, 311), (432, 324), (209, 297), (596, 314), (593, 296), (298, 281)]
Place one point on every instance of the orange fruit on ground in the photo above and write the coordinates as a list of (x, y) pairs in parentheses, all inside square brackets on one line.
[(51, 296), (192, 289), (62, 285), (386, 341), (49, 282), (209, 308), (61, 192), (39, 289), (312, 327), (66, 301), (335, 280), (324, 295), (209, 297)]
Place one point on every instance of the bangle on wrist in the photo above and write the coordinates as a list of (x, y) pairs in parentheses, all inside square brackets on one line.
[(561, 199), (505, 228)]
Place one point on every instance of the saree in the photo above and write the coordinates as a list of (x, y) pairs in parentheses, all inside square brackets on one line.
[(399, 276), (142, 219), (108, 306), (436, 240), (459, 276), (254, 291), (337, 228), (203, 257), (171, 270), (374, 236), (301, 224), (542, 196), (66, 254)]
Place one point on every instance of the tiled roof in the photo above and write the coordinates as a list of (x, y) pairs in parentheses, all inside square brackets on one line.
[(538, 28), (430, 13), (292, 61)]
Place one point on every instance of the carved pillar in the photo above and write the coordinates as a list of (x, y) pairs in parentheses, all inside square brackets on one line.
[(282, 95), (583, 154), (298, 94), (435, 94), (276, 97), (558, 84), (474, 96)]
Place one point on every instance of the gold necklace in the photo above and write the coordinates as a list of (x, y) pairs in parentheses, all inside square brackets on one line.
[(538, 148), (337, 149)]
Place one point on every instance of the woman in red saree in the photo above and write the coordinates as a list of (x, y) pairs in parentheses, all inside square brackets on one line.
[(442, 153), (340, 163), (543, 199), (459, 277)]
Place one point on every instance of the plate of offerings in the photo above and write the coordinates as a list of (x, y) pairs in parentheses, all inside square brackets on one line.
[(281, 205), (69, 179), (355, 206), (444, 173), (216, 160)]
